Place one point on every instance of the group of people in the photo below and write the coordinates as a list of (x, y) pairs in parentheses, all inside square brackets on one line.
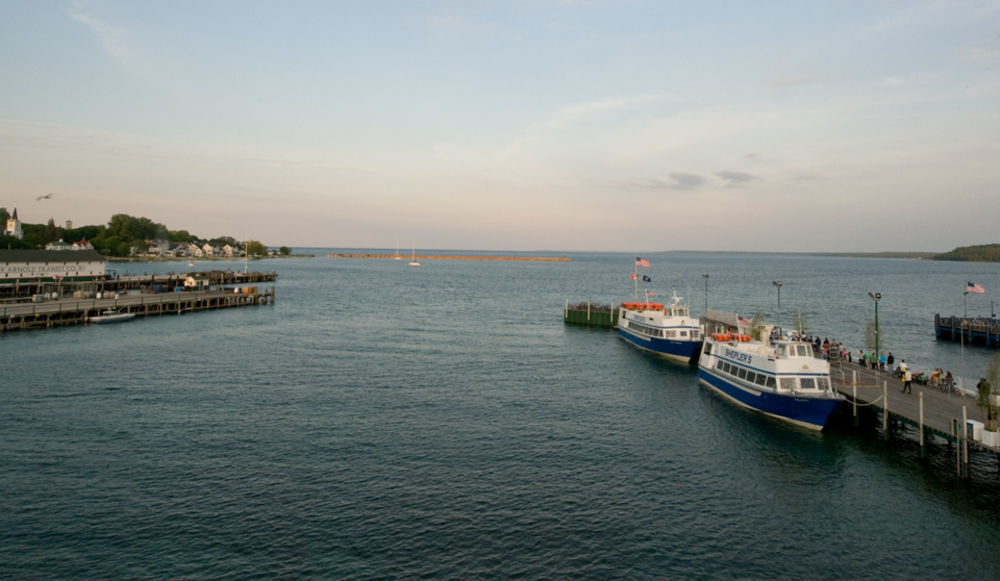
[(937, 378), (882, 362)]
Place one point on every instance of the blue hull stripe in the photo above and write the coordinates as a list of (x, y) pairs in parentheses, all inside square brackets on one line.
[(676, 349), (807, 411)]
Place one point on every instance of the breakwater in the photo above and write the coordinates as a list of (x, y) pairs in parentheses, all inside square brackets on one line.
[(453, 257)]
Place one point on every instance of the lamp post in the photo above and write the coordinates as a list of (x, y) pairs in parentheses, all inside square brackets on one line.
[(876, 297), (777, 284), (705, 276)]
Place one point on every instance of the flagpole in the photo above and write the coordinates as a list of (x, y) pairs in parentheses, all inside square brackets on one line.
[(635, 281)]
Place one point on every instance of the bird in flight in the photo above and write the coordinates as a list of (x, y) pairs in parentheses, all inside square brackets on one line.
[(45, 197)]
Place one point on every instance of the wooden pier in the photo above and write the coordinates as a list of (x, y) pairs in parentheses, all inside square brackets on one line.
[(971, 331), (591, 315), (65, 312), (25, 289), (952, 416)]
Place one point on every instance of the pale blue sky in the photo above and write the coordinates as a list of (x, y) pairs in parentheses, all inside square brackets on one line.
[(630, 126)]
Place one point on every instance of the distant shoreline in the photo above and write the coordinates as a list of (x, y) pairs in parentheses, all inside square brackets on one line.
[(201, 258), (452, 257)]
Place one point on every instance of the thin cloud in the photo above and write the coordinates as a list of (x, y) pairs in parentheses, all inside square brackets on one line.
[(791, 81), (735, 178), (687, 181)]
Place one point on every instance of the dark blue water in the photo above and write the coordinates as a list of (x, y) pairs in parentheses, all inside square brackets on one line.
[(382, 421)]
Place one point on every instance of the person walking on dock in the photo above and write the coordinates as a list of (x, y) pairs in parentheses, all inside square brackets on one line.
[(907, 378), (890, 360)]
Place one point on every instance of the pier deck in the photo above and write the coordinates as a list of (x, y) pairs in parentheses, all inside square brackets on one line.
[(65, 312), (940, 409)]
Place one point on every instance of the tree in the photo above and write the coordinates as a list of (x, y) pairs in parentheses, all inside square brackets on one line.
[(255, 248), (284, 251), (4, 216), (51, 233)]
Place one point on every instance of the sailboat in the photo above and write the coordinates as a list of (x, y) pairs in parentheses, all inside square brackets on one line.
[(413, 256)]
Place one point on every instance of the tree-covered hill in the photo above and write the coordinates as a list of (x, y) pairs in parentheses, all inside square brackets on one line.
[(119, 237), (981, 253)]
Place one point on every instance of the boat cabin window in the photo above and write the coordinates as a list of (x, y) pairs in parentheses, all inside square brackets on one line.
[(751, 377), (770, 382), (804, 350), (782, 352), (762, 379), (807, 383), (823, 383), (788, 383)]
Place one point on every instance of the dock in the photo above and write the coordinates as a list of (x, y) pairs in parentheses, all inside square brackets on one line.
[(950, 415), (968, 330), (25, 289), (72, 311), (452, 257), (591, 315)]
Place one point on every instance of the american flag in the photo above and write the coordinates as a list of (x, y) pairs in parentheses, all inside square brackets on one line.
[(650, 293), (632, 275), (974, 288), (641, 262)]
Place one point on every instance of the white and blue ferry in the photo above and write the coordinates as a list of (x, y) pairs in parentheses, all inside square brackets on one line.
[(666, 330), (776, 375)]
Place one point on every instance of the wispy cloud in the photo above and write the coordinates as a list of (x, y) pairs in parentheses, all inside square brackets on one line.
[(674, 181), (113, 40), (579, 111)]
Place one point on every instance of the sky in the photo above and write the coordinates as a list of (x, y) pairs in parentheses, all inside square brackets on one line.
[(588, 125)]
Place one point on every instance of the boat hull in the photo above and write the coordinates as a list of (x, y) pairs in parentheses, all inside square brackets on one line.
[(808, 412), (105, 319), (679, 351)]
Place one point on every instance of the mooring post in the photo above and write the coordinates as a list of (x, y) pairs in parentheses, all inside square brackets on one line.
[(965, 442), (923, 447), (854, 403), (566, 310), (885, 409), (958, 447), (588, 311)]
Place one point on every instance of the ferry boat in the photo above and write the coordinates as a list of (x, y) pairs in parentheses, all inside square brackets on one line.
[(666, 330), (777, 375)]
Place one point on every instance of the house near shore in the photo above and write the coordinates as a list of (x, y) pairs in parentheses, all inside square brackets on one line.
[(32, 266)]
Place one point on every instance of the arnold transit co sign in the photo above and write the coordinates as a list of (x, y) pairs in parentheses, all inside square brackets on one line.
[(50, 270)]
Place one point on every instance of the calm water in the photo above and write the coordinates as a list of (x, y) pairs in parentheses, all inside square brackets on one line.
[(382, 421)]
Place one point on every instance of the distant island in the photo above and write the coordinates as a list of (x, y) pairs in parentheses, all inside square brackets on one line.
[(981, 253)]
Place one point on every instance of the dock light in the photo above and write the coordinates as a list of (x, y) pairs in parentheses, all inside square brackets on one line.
[(876, 297)]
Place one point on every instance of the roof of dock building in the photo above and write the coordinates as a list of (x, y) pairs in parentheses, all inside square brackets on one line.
[(51, 256)]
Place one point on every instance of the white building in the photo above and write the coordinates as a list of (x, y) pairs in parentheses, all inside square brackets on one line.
[(13, 227), (50, 265)]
